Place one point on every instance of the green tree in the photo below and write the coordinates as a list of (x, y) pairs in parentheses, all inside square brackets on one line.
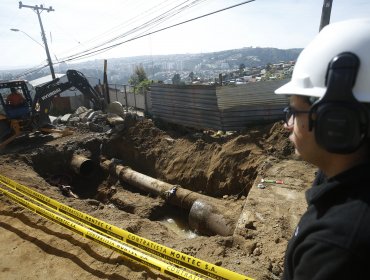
[(138, 80)]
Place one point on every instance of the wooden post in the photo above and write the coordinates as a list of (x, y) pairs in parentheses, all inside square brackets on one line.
[(115, 87), (106, 87), (126, 98), (325, 15)]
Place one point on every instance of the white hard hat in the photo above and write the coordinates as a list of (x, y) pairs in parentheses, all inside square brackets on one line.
[(309, 73)]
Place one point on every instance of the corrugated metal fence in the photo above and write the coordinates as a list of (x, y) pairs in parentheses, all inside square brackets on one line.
[(194, 106), (220, 108), (250, 103)]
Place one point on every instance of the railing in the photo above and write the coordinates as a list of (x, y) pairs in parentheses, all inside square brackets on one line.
[(125, 95)]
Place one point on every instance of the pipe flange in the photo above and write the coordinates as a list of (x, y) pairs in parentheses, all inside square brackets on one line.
[(170, 193)]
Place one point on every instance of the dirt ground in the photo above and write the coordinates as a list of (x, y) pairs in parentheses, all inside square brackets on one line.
[(226, 166)]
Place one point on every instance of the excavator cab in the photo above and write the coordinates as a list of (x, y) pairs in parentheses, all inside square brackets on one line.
[(14, 115), (19, 109)]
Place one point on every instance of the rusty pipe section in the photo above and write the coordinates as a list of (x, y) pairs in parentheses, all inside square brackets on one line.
[(82, 165), (206, 213), (208, 219)]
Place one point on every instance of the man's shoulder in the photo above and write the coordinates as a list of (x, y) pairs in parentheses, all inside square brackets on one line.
[(342, 222)]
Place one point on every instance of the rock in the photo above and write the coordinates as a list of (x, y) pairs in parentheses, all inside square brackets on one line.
[(116, 108), (257, 251), (80, 110), (115, 120), (65, 118)]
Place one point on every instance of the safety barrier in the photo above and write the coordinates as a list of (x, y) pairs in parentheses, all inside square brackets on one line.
[(118, 239)]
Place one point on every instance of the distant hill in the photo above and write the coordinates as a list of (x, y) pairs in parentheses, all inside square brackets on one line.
[(161, 67), (120, 69), (250, 57)]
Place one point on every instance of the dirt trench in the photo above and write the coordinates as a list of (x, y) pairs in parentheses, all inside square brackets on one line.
[(225, 167)]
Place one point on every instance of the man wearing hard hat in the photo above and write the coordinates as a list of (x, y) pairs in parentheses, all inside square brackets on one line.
[(329, 123)]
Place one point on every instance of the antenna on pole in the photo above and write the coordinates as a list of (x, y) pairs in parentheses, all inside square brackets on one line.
[(38, 9)]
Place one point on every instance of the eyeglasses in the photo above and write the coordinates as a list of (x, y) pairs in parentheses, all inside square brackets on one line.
[(290, 114)]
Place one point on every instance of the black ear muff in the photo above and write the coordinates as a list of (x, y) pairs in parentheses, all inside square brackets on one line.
[(340, 121)]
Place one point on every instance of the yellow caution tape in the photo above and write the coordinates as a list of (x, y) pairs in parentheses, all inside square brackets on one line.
[(123, 249), (166, 253), (53, 209)]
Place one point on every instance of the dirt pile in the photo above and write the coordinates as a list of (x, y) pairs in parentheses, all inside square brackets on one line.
[(226, 167)]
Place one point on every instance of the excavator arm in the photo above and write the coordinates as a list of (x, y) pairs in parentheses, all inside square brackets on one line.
[(79, 81), (45, 94)]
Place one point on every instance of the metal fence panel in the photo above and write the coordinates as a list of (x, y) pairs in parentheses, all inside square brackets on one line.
[(252, 103), (193, 106), (219, 108)]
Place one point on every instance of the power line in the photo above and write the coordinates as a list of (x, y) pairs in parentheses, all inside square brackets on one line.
[(31, 70), (113, 29), (90, 53), (132, 20), (37, 68), (149, 24)]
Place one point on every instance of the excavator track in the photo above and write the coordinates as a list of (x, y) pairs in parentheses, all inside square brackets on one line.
[(4, 129), (8, 131)]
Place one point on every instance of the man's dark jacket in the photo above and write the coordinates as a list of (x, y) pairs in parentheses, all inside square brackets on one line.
[(332, 239)]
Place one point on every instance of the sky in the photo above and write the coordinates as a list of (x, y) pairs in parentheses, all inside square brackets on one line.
[(78, 26)]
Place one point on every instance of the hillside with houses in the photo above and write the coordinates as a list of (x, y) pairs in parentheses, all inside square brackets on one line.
[(233, 66)]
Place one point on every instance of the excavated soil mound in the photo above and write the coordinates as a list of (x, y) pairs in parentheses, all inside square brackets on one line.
[(224, 166)]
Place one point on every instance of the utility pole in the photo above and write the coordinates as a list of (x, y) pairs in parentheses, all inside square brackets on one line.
[(325, 15), (106, 86), (38, 9)]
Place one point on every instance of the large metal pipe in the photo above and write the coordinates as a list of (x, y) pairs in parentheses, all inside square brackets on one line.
[(82, 165), (206, 218), (207, 215)]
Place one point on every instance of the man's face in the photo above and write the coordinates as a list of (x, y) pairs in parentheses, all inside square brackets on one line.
[(303, 139)]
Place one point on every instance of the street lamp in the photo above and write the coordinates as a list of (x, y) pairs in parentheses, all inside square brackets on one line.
[(17, 30)]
